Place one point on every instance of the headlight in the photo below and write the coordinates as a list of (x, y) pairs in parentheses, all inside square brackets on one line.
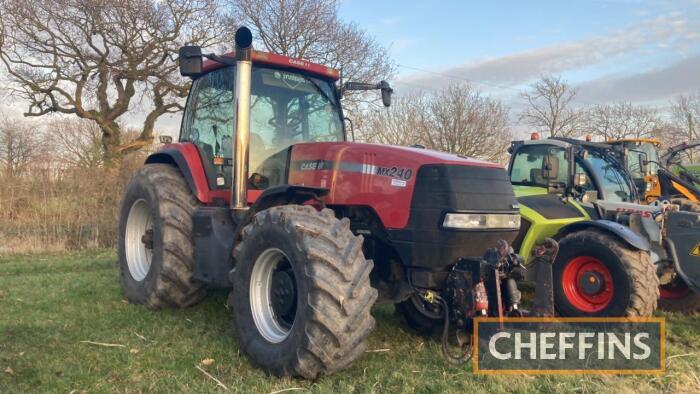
[(481, 221)]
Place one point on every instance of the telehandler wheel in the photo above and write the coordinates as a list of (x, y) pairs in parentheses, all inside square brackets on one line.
[(301, 295), (155, 240), (425, 319), (597, 275), (677, 297)]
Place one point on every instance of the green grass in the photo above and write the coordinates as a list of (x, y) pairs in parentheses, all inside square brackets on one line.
[(49, 303)]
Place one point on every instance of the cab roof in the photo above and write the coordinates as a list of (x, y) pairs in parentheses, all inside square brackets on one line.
[(282, 61)]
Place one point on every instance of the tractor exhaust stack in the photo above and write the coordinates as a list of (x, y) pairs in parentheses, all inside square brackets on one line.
[(244, 51)]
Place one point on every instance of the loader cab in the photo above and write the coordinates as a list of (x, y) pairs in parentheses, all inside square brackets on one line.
[(640, 157), (288, 106), (586, 171)]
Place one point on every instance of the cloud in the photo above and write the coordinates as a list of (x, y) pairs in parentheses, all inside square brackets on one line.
[(518, 68), (658, 84)]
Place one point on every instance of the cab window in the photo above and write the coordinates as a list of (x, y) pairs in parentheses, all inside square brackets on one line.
[(526, 168), (613, 184), (286, 108)]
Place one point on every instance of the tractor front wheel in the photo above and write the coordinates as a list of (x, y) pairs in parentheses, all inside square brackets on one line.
[(301, 295), (596, 274), (155, 240)]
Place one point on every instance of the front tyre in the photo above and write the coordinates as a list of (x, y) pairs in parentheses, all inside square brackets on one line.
[(301, 295), (595, 274), (154, 248)]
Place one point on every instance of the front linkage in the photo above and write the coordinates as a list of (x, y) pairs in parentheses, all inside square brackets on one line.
[(488, 287)]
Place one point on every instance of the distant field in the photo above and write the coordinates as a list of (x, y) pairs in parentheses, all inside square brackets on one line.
[(50, 303)]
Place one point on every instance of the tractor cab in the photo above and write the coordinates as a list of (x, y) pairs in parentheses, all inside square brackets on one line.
[(287, 106)]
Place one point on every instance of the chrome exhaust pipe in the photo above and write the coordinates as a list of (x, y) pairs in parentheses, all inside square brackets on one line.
[(244, 64)]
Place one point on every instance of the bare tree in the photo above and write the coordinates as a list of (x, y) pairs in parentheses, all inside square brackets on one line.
[(313, 30), (404, 123), (549, 109), (622, 120), (686, 115), (20, 144), (96, 58), (457, 119), (76, 142), (685, 123), (466, 123)]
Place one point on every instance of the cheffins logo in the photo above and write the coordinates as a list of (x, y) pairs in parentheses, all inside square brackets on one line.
[(569, 345)]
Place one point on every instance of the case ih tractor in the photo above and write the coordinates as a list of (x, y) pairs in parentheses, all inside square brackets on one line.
[(615, 254), (264, 194)]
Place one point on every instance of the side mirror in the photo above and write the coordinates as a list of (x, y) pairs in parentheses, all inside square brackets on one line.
[(550, 167), (387, 91), (190, 59)]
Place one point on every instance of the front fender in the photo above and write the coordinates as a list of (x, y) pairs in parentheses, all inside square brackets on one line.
[(186, 158), (622, 232)]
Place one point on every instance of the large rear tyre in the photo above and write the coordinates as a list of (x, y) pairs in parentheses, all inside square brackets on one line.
[(301, 295), (154, 248), (677, 297), (595, 274)]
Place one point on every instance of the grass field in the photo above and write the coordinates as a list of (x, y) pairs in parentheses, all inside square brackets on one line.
[(50, 303)]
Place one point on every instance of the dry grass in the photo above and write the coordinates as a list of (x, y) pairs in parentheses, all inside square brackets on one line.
[(53, 208)]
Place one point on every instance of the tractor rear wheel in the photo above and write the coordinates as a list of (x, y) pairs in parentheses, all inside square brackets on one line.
[(677, 297), (596, 274), (155, 250), (301, 295)]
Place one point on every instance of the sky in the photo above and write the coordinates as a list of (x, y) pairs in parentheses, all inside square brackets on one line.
[(646, 52)]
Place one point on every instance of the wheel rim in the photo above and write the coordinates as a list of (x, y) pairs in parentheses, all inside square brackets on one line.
[(139, 239), (674, 290), (273, 295), (587, 284)]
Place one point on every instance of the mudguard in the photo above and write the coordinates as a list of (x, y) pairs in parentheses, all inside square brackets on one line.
[(216, 228), (683, 239), (186, 158), (623, 232)]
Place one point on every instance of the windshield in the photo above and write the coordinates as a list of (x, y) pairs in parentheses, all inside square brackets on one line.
[(638, 152), (526, 168), (286, 108), (612, 182)]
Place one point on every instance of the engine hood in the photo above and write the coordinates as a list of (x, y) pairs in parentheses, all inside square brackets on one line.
[(419, 156)]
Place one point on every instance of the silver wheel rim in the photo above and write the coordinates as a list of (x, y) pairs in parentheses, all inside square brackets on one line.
[(139, 252), (261, 296)]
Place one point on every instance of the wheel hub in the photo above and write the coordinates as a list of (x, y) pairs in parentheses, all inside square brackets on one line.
[(587, 284), (284, 297), (591, 282)]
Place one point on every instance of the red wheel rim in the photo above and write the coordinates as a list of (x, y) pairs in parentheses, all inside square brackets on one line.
[(587, 284), (673, 292)]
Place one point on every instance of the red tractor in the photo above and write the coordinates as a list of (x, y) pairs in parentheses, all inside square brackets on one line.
[(264, 194)]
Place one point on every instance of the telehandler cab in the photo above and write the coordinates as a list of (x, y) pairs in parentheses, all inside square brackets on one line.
[(264, 194)]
